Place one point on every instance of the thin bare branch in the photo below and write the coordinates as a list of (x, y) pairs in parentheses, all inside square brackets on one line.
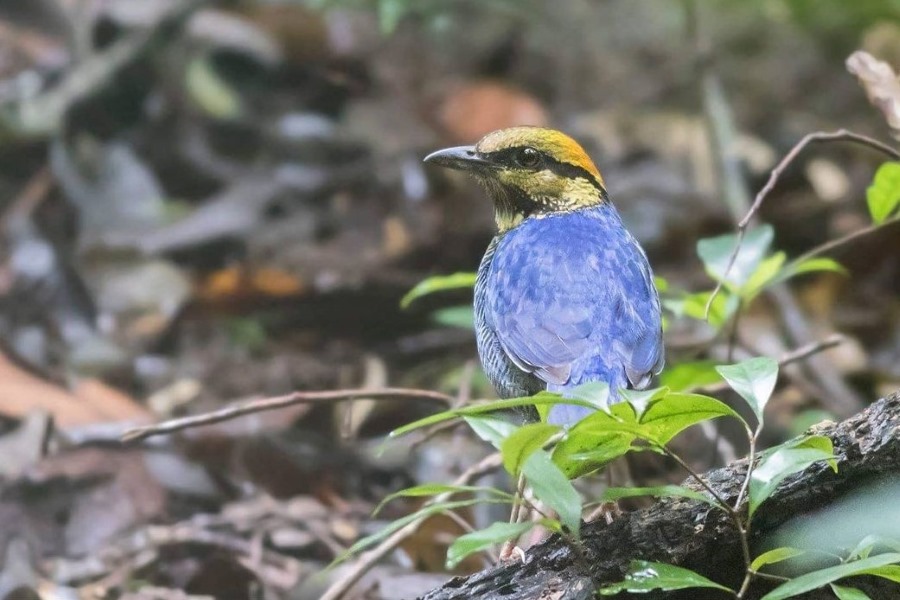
[(263, 404), (841, 135)]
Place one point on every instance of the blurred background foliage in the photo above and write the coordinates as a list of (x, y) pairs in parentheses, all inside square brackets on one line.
[(205, 202)]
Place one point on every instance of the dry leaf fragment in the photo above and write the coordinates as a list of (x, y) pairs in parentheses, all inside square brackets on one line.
[(881, 84)]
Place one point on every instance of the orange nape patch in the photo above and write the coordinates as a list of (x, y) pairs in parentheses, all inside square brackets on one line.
[(555, 143)]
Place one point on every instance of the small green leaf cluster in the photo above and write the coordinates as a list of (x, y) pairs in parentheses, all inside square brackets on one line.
[(743, 276), (548, 457)]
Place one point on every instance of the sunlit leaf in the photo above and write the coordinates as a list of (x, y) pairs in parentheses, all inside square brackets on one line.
[(688, 376), (883, 196), (823, 577), (774, 556), (516, 448), (766, 273), (553, 488), (439, 283), (487, 407), (211, 93), (754, 380), (811, 265), (594, 392), (640, 400), (644, 576), (891, 572), (848, 593), (716, 253), (662, 491), (433, 489), (668, 416), (491, 429), (785, 461), (482, 539)]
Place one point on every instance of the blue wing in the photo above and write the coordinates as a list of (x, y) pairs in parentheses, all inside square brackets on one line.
[(571, 300)]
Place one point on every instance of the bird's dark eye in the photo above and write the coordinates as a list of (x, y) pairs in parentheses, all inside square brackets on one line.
[(528, 158)]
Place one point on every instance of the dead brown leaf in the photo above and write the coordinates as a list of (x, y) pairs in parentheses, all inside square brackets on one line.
[(881, 84), (90, 402)]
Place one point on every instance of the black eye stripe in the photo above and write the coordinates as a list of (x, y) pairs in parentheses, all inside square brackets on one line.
[(507, 156)]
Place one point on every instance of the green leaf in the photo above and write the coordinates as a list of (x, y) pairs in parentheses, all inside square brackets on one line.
[(786, 460), (645, 576), (424, 512), (210, 91), (688, 376), (823, 577), (716, 254), (848, 593), (883, 196), (433, 489), (662, 491), (774, 556), (810, 265), (439, 283), (461, 317), (869, 543), (487, 407), (668, 416), (891, 572), (491, 429), (694, 306), (553, 488), (640, 400), (766, 273), (595, 393), (583, 452), (482, 539), (754, 380), (523, 442)]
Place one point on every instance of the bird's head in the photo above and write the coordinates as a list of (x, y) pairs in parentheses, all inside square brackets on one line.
[(528, 171)]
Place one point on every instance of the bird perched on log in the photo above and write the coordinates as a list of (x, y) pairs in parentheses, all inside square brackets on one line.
[(564, 294)]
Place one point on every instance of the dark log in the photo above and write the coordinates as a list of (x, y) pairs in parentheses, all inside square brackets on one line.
[(694, 535)]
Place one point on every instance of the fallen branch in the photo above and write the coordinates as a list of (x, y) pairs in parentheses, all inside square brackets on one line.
[(263, 404), (687, 533)]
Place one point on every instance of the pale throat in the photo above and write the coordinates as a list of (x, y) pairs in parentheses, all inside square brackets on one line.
[(513, 205)]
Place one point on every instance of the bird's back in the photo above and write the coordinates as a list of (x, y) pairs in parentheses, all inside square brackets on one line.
[(565, 299)]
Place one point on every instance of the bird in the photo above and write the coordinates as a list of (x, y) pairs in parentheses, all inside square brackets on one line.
[(564, 294)]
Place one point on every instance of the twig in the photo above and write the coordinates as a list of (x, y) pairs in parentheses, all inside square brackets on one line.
[(811, 349), (795, 355), (841, 135), (31, 196), (830, 245), (367, 560), (259, 405)]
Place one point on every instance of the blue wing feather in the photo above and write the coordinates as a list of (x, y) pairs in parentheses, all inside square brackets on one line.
[(571, 299)]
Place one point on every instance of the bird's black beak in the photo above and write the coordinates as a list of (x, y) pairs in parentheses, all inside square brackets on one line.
[(463, 158)]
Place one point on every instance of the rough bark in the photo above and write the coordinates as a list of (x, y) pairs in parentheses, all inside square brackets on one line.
[(694, 535)]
